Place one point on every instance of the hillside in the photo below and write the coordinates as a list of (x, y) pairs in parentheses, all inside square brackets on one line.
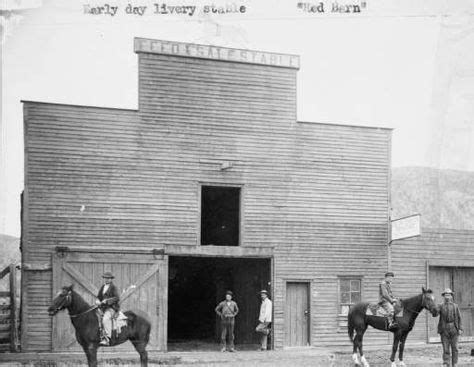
[(9, 250), (444, 198)]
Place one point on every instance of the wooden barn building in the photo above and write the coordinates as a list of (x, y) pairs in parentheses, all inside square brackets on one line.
[(212, 184)]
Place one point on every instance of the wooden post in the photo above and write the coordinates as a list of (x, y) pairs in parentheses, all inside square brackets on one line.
[(13, 310)]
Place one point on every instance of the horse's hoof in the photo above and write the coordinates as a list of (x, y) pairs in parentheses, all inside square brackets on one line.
[(393, 364), (364, 361), (401, 364), (355, 358)]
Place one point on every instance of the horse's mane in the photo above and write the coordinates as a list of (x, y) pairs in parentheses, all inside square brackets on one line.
[(417, 298), (78, 302)]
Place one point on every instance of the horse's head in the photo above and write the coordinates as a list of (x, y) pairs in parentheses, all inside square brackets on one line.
[(428, 300), (63, 300)]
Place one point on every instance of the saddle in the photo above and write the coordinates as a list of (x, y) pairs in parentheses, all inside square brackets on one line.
[(376, 309), (118, 321)]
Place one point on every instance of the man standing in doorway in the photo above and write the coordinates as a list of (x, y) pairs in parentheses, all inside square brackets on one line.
[(387, 301), (449, 327), (264, 319), (227, 310)]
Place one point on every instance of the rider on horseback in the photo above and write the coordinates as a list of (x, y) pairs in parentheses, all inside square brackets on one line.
[(108, 302), (387, 301)]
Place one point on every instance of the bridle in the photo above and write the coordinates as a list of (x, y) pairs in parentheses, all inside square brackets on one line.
[(423, 305), (67, 302)]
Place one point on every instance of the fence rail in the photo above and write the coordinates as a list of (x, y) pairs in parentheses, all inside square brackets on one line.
[(9, 312)]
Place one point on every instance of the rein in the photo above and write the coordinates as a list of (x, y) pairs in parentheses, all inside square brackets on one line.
[(416, 312), (86, 311), (68, 299)]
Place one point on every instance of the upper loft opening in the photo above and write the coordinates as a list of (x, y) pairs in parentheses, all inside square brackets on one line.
[(220, 215)]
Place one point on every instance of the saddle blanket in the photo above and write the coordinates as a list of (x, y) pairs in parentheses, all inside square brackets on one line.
[(374, 309), (119, 321)]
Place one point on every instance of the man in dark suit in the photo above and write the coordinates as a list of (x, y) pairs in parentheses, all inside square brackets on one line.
[(449, 327), (108, 301)]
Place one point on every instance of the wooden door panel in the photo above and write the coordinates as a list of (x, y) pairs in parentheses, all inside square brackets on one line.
[(463, 282), (136, 277), (297, 314), (440, 279)]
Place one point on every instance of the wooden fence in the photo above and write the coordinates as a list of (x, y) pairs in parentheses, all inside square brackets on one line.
[(9, 312)]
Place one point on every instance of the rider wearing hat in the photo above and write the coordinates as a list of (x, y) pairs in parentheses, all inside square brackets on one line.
[(386, 298), (449, 327), (227, 310), (108, 302)]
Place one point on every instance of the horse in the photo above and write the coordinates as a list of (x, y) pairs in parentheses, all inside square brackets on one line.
[(358, 320), (87, 326)]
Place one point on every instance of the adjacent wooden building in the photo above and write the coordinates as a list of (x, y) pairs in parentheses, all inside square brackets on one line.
[(443, 256), (212, 184)]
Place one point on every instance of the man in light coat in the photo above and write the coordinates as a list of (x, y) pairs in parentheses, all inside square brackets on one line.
[(264, 319)]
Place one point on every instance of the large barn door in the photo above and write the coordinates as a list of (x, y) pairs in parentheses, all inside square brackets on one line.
[(463, 287), (137, 276), (461, 281), (440, 279)]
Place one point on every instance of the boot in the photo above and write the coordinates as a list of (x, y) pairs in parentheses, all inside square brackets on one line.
[(104, 339), (391, 322)]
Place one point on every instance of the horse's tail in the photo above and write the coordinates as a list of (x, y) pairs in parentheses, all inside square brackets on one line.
[(148, 333), (350, 325), (356, 315)]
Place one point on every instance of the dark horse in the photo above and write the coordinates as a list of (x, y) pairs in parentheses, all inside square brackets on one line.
[(86, 322), (359, 321)]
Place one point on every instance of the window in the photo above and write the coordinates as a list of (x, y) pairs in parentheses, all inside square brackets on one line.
[(349, 293), (220, 215)]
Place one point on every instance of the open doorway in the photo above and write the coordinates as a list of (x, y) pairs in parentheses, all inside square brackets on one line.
[(197, 284)]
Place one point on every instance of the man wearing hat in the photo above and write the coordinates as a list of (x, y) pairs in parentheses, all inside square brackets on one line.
[(108, 302), (449, 327), (264, 319), (227, 310), (387, 301)]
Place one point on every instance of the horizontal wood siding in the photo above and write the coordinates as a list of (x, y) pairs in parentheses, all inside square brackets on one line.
[(448, 247), (318, 193)]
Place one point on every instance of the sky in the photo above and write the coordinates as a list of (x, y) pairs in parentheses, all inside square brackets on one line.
[(403, 64)]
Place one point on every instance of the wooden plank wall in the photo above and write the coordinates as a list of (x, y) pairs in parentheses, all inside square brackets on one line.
[(71, 161), (448, 247), (105, 177)]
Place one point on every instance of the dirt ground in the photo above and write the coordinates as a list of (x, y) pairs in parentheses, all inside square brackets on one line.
[(415, 356)]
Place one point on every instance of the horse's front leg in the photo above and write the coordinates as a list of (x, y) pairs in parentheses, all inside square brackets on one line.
[(403, 338), (91, 354), (396, 340)]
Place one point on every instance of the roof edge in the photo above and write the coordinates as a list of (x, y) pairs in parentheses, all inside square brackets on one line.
[(78, 105), (346, 125)]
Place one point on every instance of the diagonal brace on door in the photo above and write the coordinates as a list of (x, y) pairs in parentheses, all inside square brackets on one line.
[(153, 270), (81, 279)]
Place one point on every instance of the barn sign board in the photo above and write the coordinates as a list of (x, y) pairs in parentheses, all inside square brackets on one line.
[(406, 227), (216, 53)]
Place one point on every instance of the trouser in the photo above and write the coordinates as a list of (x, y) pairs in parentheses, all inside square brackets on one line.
[(227, 329), (264, 329), (449, 339), (107, 321), (387, 306)]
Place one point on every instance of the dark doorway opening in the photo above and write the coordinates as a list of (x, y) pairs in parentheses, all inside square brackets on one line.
[(197, 284), (220, 215)]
